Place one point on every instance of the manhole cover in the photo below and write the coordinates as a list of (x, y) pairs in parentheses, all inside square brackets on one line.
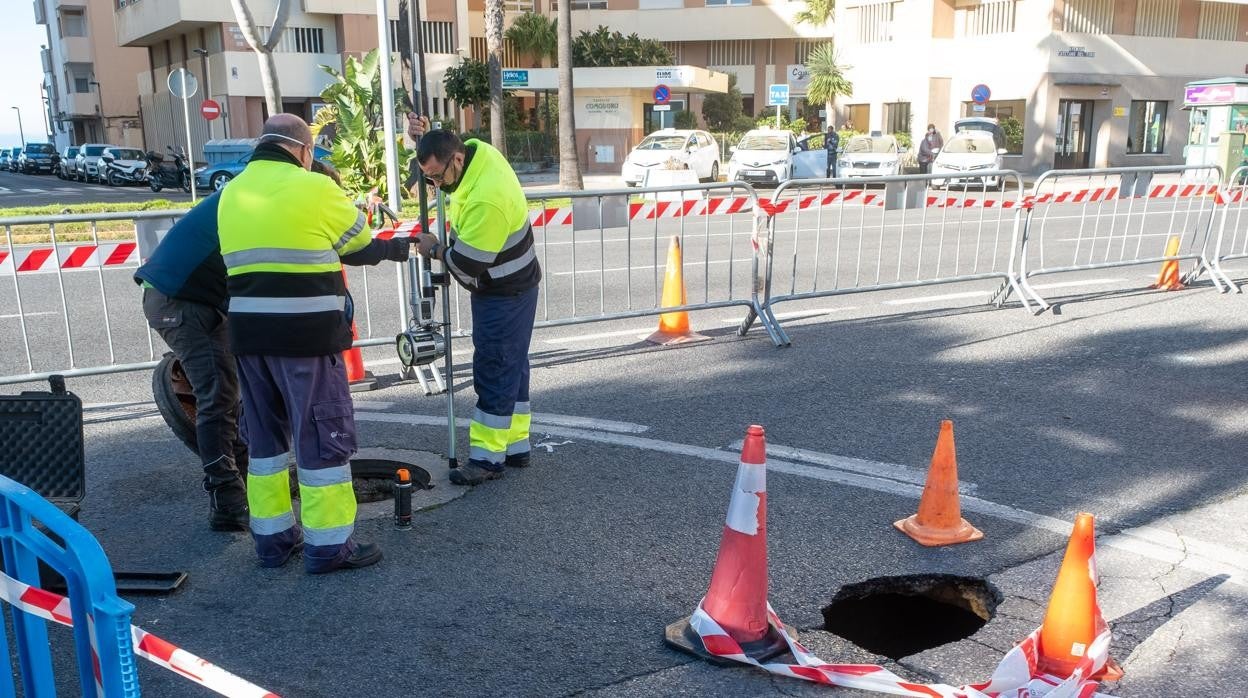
[(900, 616), (373, 478)]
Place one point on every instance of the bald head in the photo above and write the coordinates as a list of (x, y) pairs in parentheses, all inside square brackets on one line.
[(289, 132)]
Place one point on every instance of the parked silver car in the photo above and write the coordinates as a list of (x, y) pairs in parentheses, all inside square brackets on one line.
[(88, 162), (65, 169)]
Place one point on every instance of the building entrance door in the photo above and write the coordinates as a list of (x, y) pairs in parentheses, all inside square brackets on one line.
[(1074, 134)]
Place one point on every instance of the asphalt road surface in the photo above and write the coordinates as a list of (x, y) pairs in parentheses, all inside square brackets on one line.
[(558, 580), (44, 190)]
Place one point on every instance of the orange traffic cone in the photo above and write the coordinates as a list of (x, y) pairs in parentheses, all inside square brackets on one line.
[(1168, 279), (359, 379), (674, 327), (1073, 618), (737, 599), (939, 520)]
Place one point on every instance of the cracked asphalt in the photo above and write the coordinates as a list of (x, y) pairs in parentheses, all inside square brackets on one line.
[(559, 580)]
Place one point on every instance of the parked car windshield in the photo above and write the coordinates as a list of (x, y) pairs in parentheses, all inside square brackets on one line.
[(71, 152), (971, 143), (662, 143), (761, 141), (41, 148), (127, 153), (870, 144), (93, 150)]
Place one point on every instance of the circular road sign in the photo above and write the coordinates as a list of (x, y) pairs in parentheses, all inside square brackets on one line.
[(179, 78), (210, 109), (980, 94), (662, 94)]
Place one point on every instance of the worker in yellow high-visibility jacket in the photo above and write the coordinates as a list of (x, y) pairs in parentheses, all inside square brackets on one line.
[(490, 254), (285, 234)]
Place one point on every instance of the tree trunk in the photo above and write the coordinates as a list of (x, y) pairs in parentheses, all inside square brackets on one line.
[(494, 44), (569, 164), (829, 107), (264, 48)]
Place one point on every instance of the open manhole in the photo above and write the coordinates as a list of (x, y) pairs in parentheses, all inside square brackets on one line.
[(372, 478), (900, 616)]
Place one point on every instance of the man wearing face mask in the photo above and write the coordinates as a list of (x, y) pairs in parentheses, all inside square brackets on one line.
[(285, 234), (491, 254)]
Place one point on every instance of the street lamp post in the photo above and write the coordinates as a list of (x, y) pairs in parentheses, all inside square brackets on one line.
[(203, 53), (21, 132)]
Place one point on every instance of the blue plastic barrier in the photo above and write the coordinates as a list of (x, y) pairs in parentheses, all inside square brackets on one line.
[(94, 604)]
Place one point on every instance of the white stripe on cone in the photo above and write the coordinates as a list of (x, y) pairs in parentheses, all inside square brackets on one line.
[(743, 508)]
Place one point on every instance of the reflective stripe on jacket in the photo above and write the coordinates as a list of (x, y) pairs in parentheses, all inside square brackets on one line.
[(492, 252), (282, 231)]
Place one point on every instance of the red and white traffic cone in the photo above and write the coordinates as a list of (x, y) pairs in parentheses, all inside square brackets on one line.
[(737, 599)]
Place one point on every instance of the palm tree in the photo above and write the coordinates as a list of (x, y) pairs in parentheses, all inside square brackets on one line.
[(569, 164), (494, 16), (817, 12), (827, 77), (535, 35), (264, 48)]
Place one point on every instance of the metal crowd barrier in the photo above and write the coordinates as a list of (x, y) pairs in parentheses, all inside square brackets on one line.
[(1090, 219), (839, 236), (1233, 242)]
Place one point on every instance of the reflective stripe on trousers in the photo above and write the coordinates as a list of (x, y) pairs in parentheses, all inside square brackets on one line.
[(502, 327)]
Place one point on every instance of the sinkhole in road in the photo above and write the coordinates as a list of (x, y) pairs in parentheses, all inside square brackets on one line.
[(373, 478), (900, 616)]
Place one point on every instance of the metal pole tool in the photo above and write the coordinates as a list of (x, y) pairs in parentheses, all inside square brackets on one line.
[(426, 339)]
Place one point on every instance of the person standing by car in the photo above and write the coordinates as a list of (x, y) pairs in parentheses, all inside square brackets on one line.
[(929, 147), (832, 143)]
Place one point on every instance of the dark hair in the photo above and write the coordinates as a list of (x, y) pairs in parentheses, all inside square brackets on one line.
[(440, 144), (931, 127), (327, 170)]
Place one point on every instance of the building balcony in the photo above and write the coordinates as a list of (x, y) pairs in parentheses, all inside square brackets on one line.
[(76, 49), (79, 104), (146, 22)]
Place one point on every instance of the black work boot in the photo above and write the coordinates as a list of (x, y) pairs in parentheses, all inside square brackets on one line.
[(227, 496)]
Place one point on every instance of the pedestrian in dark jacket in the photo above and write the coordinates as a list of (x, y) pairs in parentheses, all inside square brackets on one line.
[(832, 142), (929, 147)]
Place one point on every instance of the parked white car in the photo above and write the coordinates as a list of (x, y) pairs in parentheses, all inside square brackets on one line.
[(763, 156), (869, 156), (965, 153), (697, 150)]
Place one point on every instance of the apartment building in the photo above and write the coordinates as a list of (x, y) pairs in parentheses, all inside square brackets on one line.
[(88, 80), (1086, 82), (204, 38)]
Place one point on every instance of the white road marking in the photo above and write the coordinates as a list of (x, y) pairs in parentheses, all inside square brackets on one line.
[(741, 262), (35, 191), (641, 333), (891, 471), (14, 316), (937, 298), (371, 404), (548, 423), (1082, 282), (1143, 541), (796, 314)]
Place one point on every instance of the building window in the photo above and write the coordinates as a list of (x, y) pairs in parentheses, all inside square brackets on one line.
[(299, 40), (1157, 18), (730, 53), (858, 118), (660, 4), (73, 23), (802, 49), (480, 52), (897, 117), (1148, 128), (1219, 21), (874, 23), (988, 17), (439, 37), (1088, 16), (518, 5), (581, 5), (1010, 114), (716, 3)]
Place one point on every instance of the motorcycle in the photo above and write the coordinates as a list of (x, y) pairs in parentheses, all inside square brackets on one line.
[(161, 174), (122, 167)]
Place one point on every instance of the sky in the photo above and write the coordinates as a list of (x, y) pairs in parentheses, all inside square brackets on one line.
[(20, 39)]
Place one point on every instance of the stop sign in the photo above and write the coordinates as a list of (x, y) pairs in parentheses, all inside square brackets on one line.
[(210, 109)]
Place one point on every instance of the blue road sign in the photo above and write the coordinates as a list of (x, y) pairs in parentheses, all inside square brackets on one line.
[(777, 95), (980, 94), (662, 94)]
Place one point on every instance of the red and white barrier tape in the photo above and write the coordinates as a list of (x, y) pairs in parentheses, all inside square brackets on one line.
[(73, 257), (55, 607), (1017, 676)]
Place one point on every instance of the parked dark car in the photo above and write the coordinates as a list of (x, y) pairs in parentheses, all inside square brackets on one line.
[(69, 157), (4, 159), (38, 158)]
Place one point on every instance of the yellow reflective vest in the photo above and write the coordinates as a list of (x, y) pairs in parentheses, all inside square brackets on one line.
[(282, 231)]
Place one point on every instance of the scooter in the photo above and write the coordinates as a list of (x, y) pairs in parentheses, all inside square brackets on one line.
[(161, 174), (120, 172)]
